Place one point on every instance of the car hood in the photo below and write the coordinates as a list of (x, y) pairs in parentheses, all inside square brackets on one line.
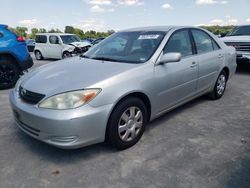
[(71, 74), (80, 44), (236, 39)]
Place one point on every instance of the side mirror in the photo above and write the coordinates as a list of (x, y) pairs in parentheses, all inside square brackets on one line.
[(169, 58)]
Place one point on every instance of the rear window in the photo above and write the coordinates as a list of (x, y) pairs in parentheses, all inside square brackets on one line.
[(41, 39)]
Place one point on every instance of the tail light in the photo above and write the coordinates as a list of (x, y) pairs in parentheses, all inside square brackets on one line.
[(20, 39)]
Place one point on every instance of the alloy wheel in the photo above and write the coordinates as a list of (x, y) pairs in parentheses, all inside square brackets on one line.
[(221, 84)]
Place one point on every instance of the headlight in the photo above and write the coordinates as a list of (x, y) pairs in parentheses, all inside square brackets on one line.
[(70, 100)]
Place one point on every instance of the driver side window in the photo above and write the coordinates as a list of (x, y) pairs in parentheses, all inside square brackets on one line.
[(179, 42)]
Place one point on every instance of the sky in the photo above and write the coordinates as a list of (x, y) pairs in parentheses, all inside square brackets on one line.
[(103, 15)]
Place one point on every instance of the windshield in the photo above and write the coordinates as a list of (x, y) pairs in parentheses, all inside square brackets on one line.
[(131, 47), (67, 39), (242, 30)]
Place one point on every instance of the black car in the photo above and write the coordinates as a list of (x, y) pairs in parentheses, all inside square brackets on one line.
[(31, 44)]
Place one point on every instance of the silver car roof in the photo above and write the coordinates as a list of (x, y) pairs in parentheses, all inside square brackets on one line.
[(157, 28)]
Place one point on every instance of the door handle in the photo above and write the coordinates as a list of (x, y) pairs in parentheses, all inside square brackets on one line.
[(220, 56), (194, 64)]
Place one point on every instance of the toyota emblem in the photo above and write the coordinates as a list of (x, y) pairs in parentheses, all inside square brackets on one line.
[(23, 92)]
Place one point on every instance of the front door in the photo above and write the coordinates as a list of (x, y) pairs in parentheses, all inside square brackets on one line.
[(177, 81)]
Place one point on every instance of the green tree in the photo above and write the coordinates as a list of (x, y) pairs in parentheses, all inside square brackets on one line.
[(34, 31), (69, 29), (42, 30), (79, 32), (21, 31)]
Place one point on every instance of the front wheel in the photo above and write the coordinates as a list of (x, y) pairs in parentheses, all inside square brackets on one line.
[(9, 74), (220, 86), (66, 55), (127, 123), (38, 55)]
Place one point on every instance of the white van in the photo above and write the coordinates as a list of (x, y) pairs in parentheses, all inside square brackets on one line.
[(58, 45)]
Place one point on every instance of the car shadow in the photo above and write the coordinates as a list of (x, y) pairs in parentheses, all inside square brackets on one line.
[(243, 68), (61, 156), (171, 114)]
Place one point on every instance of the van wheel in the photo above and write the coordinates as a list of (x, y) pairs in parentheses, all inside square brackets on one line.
[(38, 55), (220, 86), (66, 55), (127, 123), (9, 74)]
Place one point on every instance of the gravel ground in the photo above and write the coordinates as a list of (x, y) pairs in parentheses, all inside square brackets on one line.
[(201, 144)]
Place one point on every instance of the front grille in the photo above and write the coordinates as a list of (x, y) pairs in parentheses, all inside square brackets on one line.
[(27, 128), (29, 96), (240, 46)]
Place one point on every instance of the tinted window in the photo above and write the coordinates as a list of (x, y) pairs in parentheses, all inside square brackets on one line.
[(53, 39), (67, 39), (179, 42), (41, 39), (242, 30), (203, 41)]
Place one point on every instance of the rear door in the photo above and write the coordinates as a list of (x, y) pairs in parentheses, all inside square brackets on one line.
[(210, 57), (41, 45), (177, 81)]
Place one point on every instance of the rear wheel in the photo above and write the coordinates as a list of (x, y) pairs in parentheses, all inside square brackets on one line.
[(9, 74), (38, 55), (220, 86), (127, 123)]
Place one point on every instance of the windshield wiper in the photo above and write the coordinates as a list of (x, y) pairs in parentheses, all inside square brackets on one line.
[(84, 56), (105, 59)]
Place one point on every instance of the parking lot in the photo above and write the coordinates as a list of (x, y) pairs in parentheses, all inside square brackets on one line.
[(201, 144)]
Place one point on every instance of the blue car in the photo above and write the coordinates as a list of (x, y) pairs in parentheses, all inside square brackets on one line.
[(14, 57)]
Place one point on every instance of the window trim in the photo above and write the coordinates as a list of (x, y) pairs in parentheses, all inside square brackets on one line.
[(190, 39), (40, 40), (211, 38), (54, 36)]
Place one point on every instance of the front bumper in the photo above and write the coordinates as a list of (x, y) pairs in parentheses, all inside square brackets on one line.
[(66, 129), (243, 56), (27, 63)]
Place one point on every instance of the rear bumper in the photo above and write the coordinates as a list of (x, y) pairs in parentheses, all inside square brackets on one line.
[(26, 64)]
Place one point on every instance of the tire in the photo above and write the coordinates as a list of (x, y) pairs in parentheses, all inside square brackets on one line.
[(66, 55), (38, 55), (124, 128), (9, 74), (219, 87)]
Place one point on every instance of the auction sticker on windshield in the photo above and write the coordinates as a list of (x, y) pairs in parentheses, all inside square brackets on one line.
[(143, 37)]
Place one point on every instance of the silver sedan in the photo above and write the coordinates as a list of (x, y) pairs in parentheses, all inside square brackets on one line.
[(118, 86)]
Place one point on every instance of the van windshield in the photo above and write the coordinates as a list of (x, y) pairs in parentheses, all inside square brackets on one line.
[(241, 30), (67, 39), (130, 47)]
